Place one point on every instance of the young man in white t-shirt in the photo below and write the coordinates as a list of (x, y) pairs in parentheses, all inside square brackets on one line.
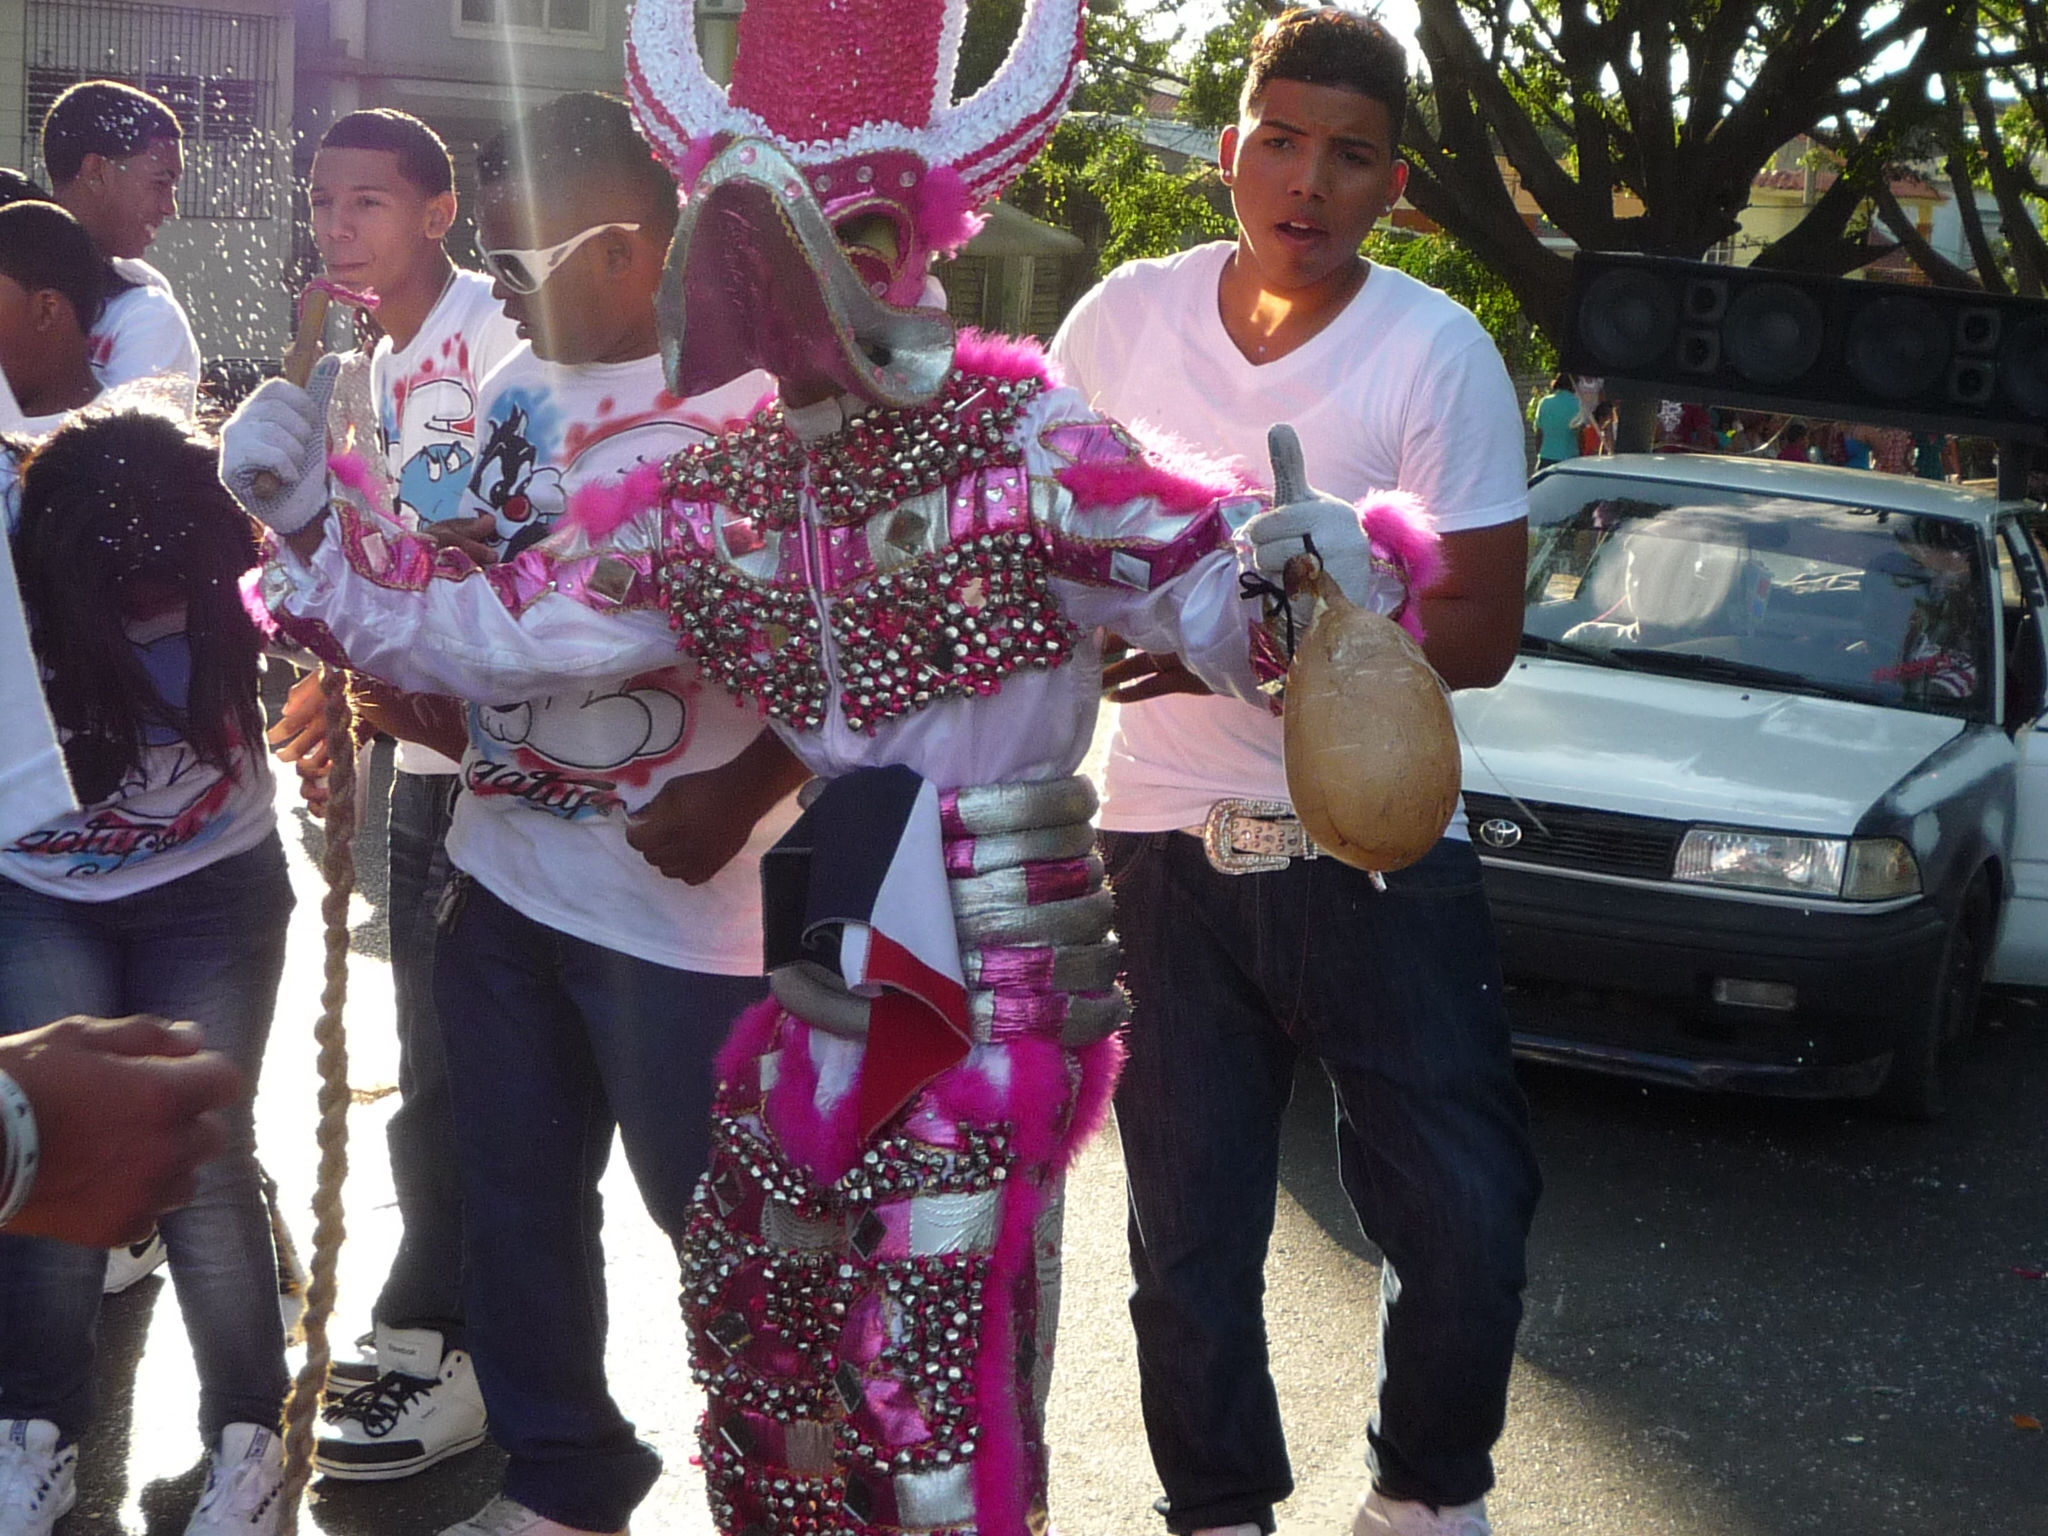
[(115, 155), (579, 989), (1234, 974), (382, 194)]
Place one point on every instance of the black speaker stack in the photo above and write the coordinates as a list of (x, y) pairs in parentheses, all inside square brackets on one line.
[(1844, 349)]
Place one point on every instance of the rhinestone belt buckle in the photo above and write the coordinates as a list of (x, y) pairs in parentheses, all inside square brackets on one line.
[(1254, 837)]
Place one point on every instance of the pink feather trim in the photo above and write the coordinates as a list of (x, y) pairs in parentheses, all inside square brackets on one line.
[(1003, 357), (355, 472), (752, 1036), (1171, 470), (1398, 525), (943, 212), (602, 508), (826, 1142)]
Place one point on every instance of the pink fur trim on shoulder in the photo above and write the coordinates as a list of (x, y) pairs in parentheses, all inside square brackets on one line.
[(599, 510), (1398, 525), (1003, 357)]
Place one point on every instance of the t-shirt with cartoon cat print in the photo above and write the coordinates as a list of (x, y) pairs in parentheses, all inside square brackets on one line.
[(549, 781), (426, 404)]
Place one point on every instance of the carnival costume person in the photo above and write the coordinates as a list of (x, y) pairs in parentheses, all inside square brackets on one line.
[(907, 561)]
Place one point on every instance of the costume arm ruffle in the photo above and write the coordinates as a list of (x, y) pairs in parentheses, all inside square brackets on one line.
[(1141, 539), (430, 620)]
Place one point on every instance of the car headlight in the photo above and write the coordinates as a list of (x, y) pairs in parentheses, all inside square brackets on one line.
[(1846, 869)]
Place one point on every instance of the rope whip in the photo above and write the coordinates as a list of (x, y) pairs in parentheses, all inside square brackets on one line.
[(338, 866)]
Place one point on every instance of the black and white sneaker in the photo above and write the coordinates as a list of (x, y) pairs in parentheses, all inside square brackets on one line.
[(137, 1261), (344, 1376), (423, 1408)]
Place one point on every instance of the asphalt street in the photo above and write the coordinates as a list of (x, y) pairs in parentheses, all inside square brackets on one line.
[(1744, 1318)]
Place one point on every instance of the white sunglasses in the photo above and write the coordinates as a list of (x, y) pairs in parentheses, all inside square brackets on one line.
[(525, 271)]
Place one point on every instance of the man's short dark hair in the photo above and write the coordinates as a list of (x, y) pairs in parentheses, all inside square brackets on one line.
[(43, 247), (581, 134), (423, 157), (17, 188), (1330, 46), (102, 117)]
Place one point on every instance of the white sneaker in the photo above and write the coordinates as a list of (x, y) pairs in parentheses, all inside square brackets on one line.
[(423, 1408), (344, 1376), (244, 1494), (508, 1517), (38, 1481), (127, 1265), (1379, 1515)]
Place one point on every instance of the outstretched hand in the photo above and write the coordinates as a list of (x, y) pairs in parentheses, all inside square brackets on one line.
[(127, 1111)]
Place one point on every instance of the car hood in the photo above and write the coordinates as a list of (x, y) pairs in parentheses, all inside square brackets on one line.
[(1573, 734)]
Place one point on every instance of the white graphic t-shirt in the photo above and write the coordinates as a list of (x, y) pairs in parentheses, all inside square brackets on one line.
[(144, 333), (426, 405), (1403, 391), (550, 781), (173, 815)]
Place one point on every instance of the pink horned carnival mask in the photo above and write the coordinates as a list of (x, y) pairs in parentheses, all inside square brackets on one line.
[(820, 186)]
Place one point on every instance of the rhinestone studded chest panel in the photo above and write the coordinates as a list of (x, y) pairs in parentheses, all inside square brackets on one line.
[(921, 544)]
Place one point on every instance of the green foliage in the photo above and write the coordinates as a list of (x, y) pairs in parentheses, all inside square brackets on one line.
[(1216, 73), (1152, 212), (1439, 260), (1099, 179)]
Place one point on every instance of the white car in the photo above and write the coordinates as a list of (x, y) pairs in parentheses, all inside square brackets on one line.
[(1763, 802)]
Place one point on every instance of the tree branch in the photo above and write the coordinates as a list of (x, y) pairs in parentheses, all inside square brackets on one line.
[(2022, 239), (1943, 272)]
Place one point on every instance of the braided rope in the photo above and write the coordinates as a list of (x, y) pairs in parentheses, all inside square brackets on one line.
[(339, 866)]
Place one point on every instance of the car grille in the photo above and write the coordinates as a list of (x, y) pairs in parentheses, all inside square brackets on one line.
[(1571, 836)]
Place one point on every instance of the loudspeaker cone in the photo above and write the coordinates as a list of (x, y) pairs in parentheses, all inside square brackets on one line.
[(1773, 333), (1897, 347), (1628, 319)]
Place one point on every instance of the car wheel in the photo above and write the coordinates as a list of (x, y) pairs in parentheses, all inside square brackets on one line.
[(1914, 1088)]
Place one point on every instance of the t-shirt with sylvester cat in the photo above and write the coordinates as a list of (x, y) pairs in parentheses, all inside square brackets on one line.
[(550, 779)]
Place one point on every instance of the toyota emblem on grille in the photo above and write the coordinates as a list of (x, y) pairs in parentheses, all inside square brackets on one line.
[(1500, 833)]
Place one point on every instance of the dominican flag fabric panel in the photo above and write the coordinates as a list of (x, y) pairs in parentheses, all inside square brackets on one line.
[(859, 886)]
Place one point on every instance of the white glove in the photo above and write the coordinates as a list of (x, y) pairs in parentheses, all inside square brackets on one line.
[(273, 451), (1302, 516)]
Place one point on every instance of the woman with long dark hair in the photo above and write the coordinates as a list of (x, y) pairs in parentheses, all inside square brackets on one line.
[(166, 895)]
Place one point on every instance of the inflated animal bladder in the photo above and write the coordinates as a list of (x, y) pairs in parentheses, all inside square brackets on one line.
[(1372, 751)]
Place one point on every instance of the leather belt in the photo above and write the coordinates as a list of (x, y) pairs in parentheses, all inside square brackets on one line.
[(1253, 837)]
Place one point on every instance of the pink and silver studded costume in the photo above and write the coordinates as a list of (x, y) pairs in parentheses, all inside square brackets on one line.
[(909, 574)]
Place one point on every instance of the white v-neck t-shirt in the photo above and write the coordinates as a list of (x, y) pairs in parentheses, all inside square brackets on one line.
[(1402, 391)]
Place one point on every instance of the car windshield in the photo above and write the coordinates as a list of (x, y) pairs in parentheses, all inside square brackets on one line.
[(1855, 602)]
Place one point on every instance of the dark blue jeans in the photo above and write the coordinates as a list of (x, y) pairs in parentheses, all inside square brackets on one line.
[(553, 1043), (1398, 994), (423, 1288), (209, 948)]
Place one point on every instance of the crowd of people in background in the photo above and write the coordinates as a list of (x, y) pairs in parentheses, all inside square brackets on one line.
[(1573, 417)]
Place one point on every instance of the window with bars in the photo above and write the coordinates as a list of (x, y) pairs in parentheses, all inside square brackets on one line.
[(566, 19), (215, 70)]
